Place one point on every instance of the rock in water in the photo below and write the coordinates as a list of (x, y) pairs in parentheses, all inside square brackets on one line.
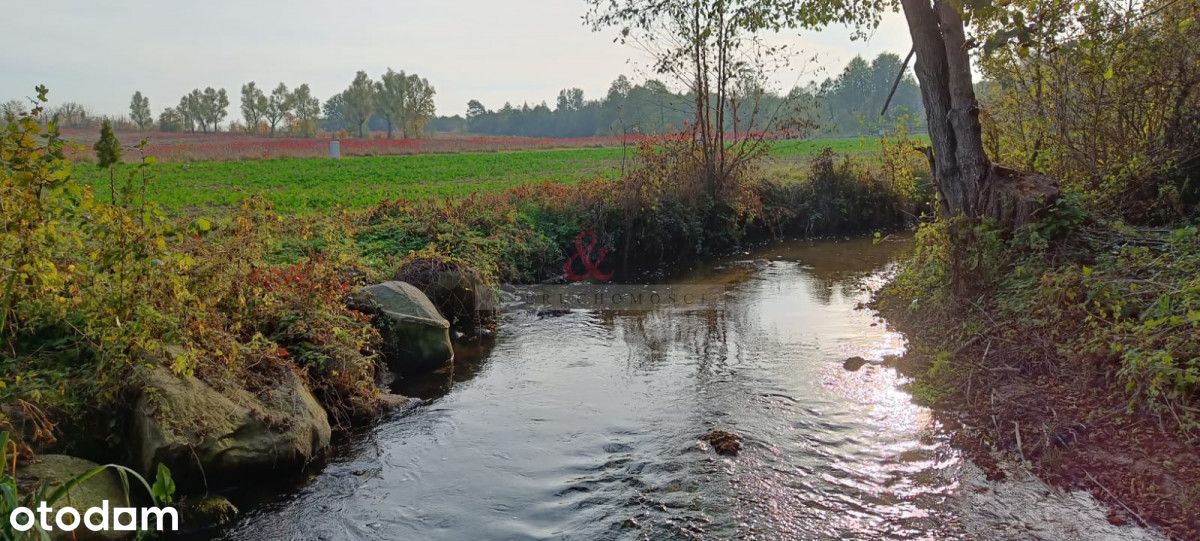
[(854, 363), (208, 513), (196, 429), (724, 443), (416, 338), (54, 470)]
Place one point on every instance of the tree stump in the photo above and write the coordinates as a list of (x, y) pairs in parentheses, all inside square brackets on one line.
[(1015, 198)]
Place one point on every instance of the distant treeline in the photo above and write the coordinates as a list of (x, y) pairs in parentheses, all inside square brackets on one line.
[(848, 104), (402, 103)]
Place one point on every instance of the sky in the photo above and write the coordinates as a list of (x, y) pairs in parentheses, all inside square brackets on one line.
[(99, 53)]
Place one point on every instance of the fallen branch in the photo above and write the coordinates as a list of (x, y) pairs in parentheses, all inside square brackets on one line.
[(1139, 518)]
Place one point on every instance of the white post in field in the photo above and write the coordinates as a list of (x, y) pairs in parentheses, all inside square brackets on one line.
[(335, 149)]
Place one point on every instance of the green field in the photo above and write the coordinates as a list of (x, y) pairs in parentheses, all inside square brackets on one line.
[(307, 185)]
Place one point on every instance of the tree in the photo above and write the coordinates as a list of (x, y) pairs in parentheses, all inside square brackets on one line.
[(189, 111), (307, 109), (419, 108), (215, 105), (968, 183), (170, 120), (709, 46), (406, 101), (72, 115), (392, 94), (12, 110), (569, 99), (359, 99), (279, 106), (334, 110), (108, 154), (139, 111), (475, 110), (851, 103), (254, 104)]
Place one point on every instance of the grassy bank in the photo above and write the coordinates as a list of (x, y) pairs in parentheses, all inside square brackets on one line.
[(1077, 350)]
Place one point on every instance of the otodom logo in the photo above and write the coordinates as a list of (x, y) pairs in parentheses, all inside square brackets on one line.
[(97, 519)]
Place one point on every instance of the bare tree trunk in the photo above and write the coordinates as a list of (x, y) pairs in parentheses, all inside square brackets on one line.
[(968, 183)]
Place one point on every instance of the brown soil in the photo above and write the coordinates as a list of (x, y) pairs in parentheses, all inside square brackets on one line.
[(1071, 424)]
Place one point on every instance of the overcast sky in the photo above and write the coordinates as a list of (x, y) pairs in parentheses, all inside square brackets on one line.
[(99, 52)]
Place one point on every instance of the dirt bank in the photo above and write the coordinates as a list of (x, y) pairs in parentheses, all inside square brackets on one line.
[(1013, 394)]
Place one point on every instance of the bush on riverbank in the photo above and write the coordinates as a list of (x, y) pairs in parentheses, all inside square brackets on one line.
[(1077, 348), (840, 195), (93, 288), (1116, 302)]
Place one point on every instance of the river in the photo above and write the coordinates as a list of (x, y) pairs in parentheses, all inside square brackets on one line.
[(588, 425)]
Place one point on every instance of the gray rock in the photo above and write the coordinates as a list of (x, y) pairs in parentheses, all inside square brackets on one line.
[(54, 470), (416, 338), (854, 363), (392, 402), (194, 427)]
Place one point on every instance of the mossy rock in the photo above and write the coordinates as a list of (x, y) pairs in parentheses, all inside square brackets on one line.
[(198, 430), (416, 338), (54, 470), (208, 512)]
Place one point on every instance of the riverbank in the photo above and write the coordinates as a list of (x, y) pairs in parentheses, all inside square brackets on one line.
[(1044, 362)]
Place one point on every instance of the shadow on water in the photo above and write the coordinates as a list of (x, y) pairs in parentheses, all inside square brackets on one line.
[(469, 357)]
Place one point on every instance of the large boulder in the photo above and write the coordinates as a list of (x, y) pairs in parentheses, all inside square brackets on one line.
[(221, 431), (416, 338), (55, 470)]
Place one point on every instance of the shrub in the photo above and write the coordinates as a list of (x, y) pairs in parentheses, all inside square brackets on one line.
[(91, 289), (837, 196), (458, 291)]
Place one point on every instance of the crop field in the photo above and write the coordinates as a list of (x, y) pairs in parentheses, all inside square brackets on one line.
[(302, 185), (186, 146)]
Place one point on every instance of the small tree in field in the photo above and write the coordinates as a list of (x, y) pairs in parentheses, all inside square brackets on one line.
[(139, 111), (712, 47), (108, 154)]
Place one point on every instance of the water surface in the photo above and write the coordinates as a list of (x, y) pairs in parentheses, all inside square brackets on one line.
[(587, 426)]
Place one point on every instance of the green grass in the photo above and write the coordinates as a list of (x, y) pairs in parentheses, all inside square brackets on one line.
[(302, 185)]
